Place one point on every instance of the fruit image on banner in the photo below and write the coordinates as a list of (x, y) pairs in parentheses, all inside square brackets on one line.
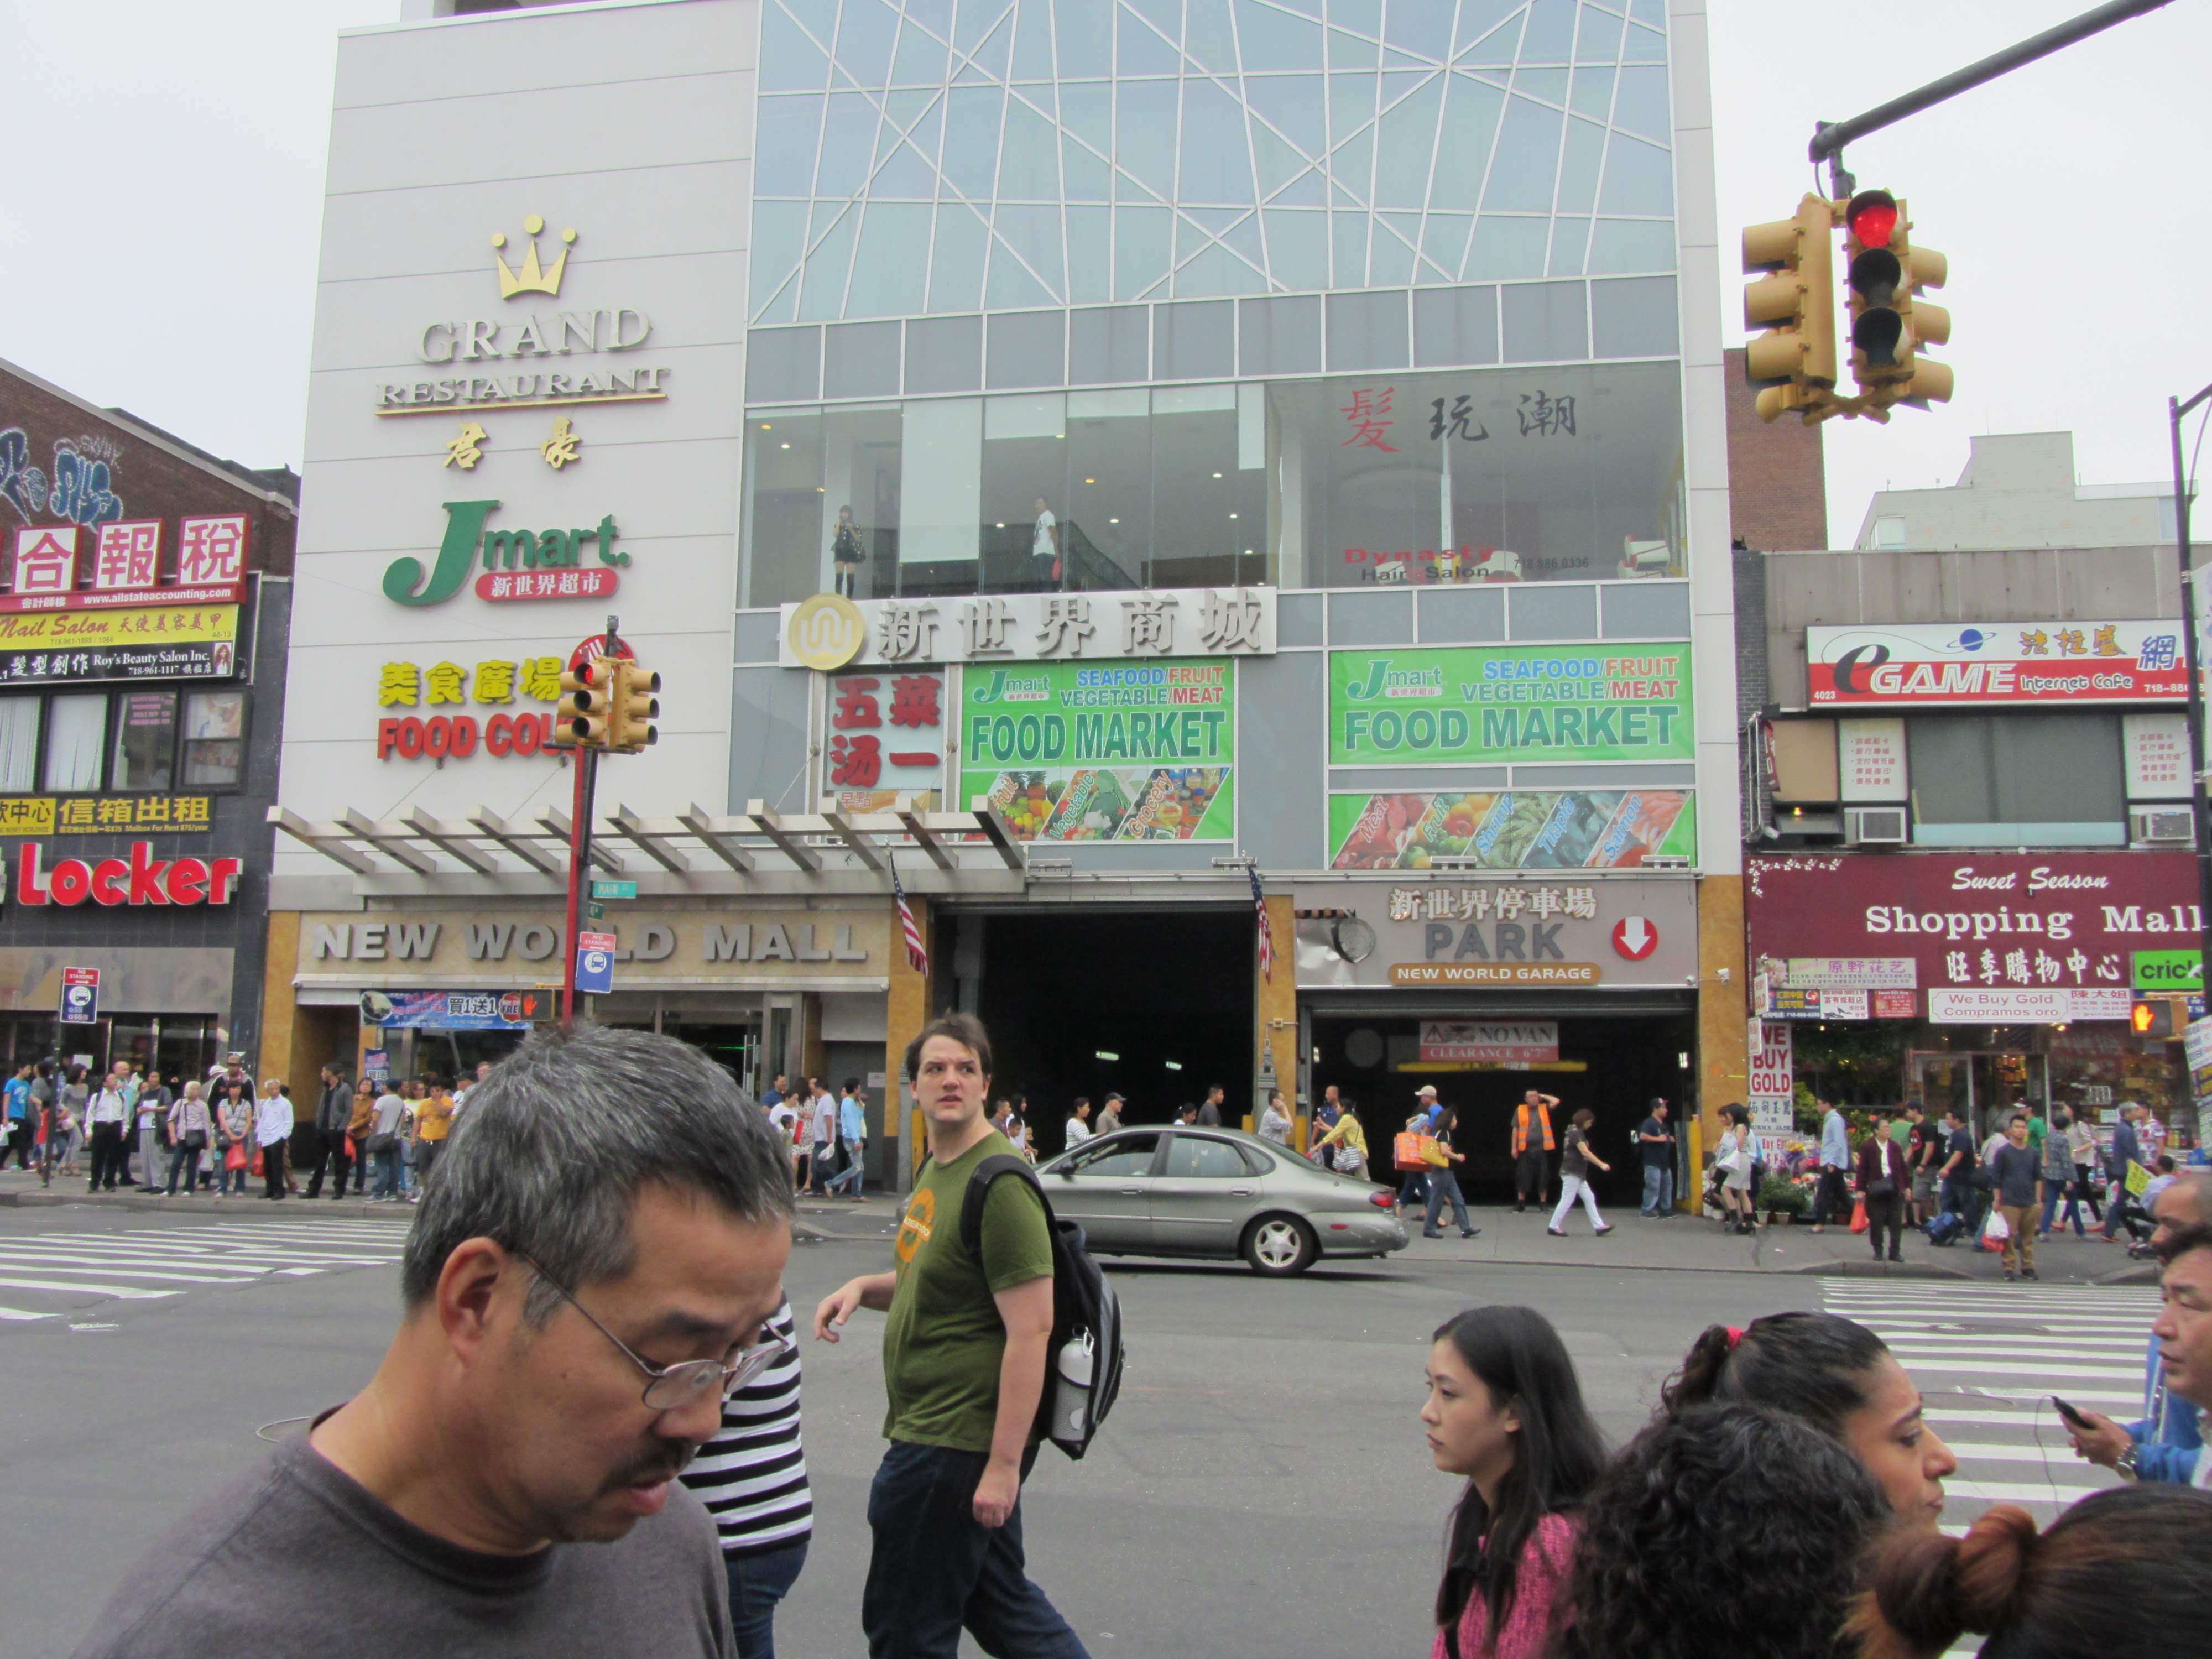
[(1518, 829), (1124, 752), (1509, 702)]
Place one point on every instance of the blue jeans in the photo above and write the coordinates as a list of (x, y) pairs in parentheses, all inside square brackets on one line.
[(936, 1569), (1444, 1187), (1658, 1188), (2052, 1191), (853, 1170), (757, 1582), (387, 1174)]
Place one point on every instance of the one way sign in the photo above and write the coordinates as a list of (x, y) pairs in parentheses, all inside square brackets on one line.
[(1635, 938)]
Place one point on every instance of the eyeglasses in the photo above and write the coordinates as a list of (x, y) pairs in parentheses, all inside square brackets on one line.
[(672, 1388)]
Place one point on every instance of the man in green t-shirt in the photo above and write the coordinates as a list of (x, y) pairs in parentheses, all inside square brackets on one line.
[(965, 1358)]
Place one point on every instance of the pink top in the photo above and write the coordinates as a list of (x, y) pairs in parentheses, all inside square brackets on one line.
[(1545, 1560)]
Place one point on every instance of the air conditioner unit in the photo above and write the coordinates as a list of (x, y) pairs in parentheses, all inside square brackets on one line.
[(1876, 826), (2161, 826)]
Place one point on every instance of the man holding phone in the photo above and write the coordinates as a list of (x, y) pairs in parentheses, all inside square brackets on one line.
[(2163, 1444)]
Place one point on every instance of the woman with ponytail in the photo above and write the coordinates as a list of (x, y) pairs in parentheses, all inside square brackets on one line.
[(2119, 1575), (1839, 1376), (1505, 1410)]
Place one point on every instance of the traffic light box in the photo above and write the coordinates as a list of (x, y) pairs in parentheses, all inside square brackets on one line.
[(580, 720), (1795, 361), (632, 708), (1889, 324)]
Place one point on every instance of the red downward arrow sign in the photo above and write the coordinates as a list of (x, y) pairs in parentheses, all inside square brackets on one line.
[(1635, 938)]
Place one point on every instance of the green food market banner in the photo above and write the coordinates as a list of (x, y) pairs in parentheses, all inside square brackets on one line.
[(1509, 702), (1103, 752), (1519, 829)]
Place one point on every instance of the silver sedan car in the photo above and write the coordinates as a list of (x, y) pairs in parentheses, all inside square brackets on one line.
[(1188, 1191)]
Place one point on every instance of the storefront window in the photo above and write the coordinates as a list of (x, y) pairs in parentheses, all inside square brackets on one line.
[(215, 740), (2017, 780), (145, 740), (19, 743), (1490, 475), (76, 740)]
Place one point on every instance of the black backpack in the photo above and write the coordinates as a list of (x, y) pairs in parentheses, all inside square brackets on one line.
[(1084, 1310)]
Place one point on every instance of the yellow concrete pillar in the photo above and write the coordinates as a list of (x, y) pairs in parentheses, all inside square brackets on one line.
[(906, 1011), (1723, 1003), (1275, 1005), (278, 1057)]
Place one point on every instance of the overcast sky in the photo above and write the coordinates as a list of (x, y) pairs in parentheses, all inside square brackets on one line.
[(160, 235)]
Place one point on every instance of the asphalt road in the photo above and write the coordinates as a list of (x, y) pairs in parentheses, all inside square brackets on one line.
[(1262, 1488)]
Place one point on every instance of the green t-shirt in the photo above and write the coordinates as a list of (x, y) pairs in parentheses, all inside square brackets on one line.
[(943, 1340)]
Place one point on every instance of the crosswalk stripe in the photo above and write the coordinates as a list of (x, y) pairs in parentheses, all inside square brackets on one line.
[(176, 1256), (22, 1313), (128, 1292), (1974, 1367)]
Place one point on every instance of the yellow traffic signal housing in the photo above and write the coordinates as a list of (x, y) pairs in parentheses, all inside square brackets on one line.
[(1889, 324), (1795, 361), (581, 718), (633, 708)]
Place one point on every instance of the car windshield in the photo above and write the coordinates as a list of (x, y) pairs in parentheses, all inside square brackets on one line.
[(1197, 1155), (1120, 1156)]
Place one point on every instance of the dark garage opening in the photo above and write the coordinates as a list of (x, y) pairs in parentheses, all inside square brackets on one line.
[(1150, 986), (1628, 1057)]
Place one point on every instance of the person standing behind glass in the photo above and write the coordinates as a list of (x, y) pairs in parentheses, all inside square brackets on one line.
[(845, 553), (1044, 547)]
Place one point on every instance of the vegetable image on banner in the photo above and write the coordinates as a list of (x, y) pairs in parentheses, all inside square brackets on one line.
[(1077, 751), (1509, 702), (1531, 830)]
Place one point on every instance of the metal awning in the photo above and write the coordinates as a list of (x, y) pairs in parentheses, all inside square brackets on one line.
[(786, 848)]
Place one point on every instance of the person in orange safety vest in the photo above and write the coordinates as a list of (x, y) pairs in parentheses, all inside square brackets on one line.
[(1531, 1118)]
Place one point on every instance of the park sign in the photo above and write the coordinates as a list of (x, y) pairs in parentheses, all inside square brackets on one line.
[(518, 563), (1491, 704)]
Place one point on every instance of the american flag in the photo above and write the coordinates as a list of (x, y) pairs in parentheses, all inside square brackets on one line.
[(1266, 933), (916, 958)]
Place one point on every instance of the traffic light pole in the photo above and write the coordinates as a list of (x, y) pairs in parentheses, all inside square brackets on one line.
[(2200, 819), (579, 854), (1829, 137)]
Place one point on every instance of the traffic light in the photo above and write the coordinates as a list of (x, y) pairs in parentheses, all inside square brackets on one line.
[(580, 719), (1795, 361), (2156, 1017), (633, 708), (1884, 271)]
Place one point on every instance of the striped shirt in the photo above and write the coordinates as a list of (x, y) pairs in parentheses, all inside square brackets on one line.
[(752, 1475)]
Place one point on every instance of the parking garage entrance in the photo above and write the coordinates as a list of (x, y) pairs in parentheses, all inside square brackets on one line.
[(1610, 1052)]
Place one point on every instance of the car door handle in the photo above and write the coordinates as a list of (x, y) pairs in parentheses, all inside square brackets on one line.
[(1240, 1192), (1132, 1191)]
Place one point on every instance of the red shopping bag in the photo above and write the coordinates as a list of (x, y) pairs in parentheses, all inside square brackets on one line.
[(233, 1157), (259, 1169), (1858, 1216)]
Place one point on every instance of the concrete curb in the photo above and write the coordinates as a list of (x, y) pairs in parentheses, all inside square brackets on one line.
[(1879, 1270)]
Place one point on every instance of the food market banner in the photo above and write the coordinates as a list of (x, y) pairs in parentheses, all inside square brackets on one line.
[(1993, 923), (1079, 751), (1517, 829), (1509, 702), (1936, 665)]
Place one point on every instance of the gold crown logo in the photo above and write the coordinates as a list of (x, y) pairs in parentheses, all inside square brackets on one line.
[(531, 278)]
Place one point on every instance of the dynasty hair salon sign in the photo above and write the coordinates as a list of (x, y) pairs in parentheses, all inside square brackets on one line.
[(139, 879), (1937, 664), (2002, 925)]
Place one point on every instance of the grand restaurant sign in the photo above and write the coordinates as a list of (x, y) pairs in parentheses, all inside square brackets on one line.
[(2013, 928)]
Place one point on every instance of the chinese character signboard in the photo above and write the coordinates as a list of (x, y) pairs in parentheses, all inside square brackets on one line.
[(1517, 829), (123, 559), (2011, 923), (496, 690), (1936, 665), (173, 642), (887, 733), (1870, 759), (99, 815), (1029, 628), (455, 1011), (1123, 752), (1441, 932), (2155, 748), (1509, 702)]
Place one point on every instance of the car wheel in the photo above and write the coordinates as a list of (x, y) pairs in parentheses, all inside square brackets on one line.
[(1280, 1245)]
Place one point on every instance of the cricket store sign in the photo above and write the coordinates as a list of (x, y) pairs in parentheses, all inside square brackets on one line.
[(1990, 923), (1129, 751), (1446, 934), (1518, 830), (518, 563), (1509, 702), (137, 880), (825, 632), (1490, 1042), (1936, 665)]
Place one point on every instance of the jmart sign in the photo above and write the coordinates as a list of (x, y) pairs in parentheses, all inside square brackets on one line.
[(518, 564)]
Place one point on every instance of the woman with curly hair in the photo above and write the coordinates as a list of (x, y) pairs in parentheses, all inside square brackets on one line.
[(1725, 1532), (1839, 1376), (2110, 1580), (1505, 1410)]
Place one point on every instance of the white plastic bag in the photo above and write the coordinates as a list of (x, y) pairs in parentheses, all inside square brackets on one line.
[(1996, 1230)]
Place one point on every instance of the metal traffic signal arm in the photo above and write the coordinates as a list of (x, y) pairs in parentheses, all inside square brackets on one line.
[(607, 706)]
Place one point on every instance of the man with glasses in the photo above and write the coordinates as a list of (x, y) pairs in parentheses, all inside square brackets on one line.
[(573, 1322)]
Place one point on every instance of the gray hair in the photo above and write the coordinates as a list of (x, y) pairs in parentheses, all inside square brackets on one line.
[(558, 1141)]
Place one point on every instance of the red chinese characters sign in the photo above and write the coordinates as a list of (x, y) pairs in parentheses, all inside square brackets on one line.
[(123, 558), (1938, 665), (886, 739), (1988, 922)]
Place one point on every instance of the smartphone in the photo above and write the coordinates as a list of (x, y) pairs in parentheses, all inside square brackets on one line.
[(2069, 1414)]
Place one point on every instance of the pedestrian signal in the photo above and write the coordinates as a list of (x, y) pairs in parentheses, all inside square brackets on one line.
[(1795, 361), (2154, 1017)]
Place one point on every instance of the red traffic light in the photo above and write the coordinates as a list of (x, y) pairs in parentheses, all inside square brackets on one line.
[(1872, 217)]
